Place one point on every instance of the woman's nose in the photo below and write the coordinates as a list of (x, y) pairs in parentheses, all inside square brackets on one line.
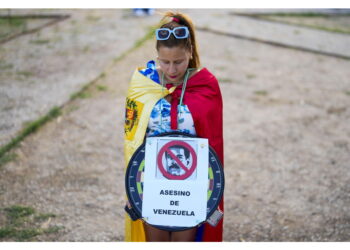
[(172, 69)]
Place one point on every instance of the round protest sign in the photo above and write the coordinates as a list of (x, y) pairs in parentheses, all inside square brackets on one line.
[(174, 160), (134, 178)]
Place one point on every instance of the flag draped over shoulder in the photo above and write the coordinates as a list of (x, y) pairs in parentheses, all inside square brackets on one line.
[(203, 98), (142, 95)]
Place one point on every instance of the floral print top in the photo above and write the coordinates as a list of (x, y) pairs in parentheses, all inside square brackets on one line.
[(159, 121)]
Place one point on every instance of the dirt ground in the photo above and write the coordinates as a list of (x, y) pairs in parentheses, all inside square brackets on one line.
[(287, 148), (43, 69)]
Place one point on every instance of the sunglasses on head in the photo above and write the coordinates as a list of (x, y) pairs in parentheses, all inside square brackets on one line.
[(178, 32)]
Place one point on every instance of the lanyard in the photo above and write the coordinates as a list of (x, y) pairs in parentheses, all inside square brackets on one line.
[(182, 91), (183, 85)]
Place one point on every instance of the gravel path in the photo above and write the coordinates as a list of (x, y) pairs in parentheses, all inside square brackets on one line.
[(287, 148), (288, 35), (59, 60)]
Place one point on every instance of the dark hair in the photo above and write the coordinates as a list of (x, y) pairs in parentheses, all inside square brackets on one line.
[(188, 43), (186, 151)]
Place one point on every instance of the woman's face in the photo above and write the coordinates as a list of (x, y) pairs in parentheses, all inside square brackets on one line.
[(173, 62)]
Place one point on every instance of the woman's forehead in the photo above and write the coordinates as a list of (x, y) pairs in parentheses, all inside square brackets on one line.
[(172, 53)]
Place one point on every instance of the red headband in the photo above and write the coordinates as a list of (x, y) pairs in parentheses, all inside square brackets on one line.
[(176, 20)]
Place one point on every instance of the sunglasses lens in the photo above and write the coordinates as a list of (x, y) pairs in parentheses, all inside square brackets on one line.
[(180, 32), (163, 34)]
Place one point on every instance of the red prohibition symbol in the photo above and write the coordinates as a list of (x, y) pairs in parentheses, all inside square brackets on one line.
[(188, 171)]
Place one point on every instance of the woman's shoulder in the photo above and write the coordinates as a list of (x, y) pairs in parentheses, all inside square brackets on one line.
[(194, 72), (203, 73)]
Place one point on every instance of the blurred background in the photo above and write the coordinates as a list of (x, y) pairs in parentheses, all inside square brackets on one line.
[(284, 76)]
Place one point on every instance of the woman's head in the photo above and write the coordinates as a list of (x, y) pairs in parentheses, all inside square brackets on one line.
[(180, 51)]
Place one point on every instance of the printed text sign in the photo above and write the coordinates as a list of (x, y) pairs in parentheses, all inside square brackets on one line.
[(175, 181)]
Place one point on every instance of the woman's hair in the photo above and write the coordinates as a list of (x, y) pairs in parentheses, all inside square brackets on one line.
[(178, 20)]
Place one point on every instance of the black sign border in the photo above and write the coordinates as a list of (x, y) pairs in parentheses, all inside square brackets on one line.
[(131, 181)]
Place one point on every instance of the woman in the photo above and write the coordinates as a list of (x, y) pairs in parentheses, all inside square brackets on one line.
[(176, 96)]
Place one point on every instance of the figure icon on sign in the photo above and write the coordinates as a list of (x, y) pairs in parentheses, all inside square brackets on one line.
[(177, 160), (181, 153)]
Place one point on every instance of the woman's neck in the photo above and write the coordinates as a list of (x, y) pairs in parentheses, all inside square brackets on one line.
[(174, 83), (167, 81)]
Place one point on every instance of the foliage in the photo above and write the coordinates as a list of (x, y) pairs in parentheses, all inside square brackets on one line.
[(22, 223), (28, 129)]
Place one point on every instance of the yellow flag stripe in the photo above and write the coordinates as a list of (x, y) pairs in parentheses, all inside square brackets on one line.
[(144, 93)]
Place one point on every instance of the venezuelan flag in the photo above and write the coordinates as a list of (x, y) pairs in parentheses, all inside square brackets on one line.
[(143, 94)]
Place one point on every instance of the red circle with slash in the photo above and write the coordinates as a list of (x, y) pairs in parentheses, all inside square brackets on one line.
[(166, 148)]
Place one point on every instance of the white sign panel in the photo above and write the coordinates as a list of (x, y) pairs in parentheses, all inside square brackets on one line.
[(175, 183)]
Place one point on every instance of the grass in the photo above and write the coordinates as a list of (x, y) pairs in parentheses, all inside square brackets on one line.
[(250, 76), (261, 92), (53, 229), (17, 212), (335, 30), (40, 41), (7, 158), (101, 88), (149, 35), (10, 25), (71, 108), (81, 95), (86, 49), (296, 32), (93, 18), (26, 234), (5, 66), (138, 43), (85, 91), (23, 223), (55, 112), (28, 129), (224, 80), (309, 15), (44, 217), (25, 73), (6, 232), (302, 14), (12, 21)]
